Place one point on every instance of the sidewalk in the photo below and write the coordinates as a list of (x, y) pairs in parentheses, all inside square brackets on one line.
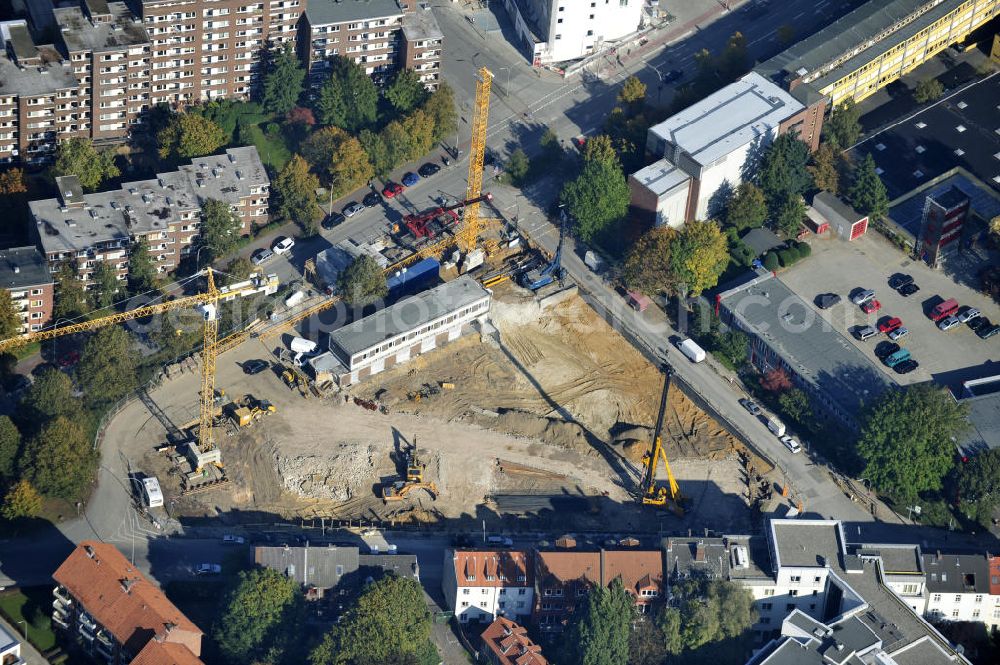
[(29, 654)]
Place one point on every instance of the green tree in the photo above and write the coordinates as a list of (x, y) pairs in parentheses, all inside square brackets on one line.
[(977, 484), (77, 156), (406, 91), (389, 620), (142, 275), (440, 106), (334, 153), (220, 228), (518, 166), (107, 368), (60, 460), (238, 270), (670, 623), (597, 199), (709, 611), (71, 298), (398, 146), (823, 168), (49, 397), (733, 62), (550, 143), (600, 149), (928, 90), (783, 169), (259, 617), (647, 264), (106, 284), (632, 95), (189, 135), (699, 255), (362, 282), (646, 645), (747, 209), (868, 194), (733, 346), (22, 500), (283, 82), (420, 128), (906, 440), (10, 319), (377, 151), (599, 631), (789, 215), (349, 99), (795, 404), (10, 448), (843, 128), (296, 187)]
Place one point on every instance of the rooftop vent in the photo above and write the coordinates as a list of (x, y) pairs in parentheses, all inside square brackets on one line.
[(239, 175), (93, 214), (70, 223), (89, 550), (201, 183), (16, 268), (232, 158), (215, 173)]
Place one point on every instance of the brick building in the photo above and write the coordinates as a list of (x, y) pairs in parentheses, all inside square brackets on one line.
[(25, 274), (111, 611)]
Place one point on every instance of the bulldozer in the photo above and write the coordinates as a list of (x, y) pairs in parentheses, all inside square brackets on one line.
[(414, 480), (248, 410)]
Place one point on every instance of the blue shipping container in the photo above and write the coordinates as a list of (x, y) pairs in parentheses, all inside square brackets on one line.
[(415, 278)]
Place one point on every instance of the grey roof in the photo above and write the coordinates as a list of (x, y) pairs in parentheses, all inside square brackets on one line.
[(80, 34), (744, 111), (982, 396), (32, 270), (697, 557), (957, 573), (421, 25), (402, 565), (21, 42), (807, 543), (7, 639), (321, 567), (816, 353), (896, 559), (48, 78), (760, 240), (661, 177), (833, 209), (322, 12), (407, 314)]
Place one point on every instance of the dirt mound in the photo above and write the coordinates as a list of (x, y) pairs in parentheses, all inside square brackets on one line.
[(340, 475), (634, 449), (550, 430)]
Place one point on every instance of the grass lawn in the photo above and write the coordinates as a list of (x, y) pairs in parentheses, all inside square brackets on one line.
[(275, 149), (34, 605)]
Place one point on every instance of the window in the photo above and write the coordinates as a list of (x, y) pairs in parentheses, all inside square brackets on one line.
[(979, 599), (38, 292), (768, 592), (937, 598), (521, 592), (954, 613), (465, 604), (789, 607), (910, 588), (766, 606), (817, 579), (503, 592), (465, 592), (794, 592), (471, 578), (340, 570), (482, 604), (958, 597), (796, 578), (483, 591), (36, 315), (975, 614), (766, 620), (590, 33)]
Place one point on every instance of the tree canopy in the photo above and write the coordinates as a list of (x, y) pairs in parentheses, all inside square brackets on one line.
[(977, 484), (10, 318), (107, 368), (141, 273), (747, 209), (220, 228), (22, 500), (699, 255), (377, 151), (843, 128), (77, 156), (647, 266), (12, 182), (823, 168), (709, 611), (295, 188), (259, 617), (71, 298), (406, 91), (791, 210), (632, 94), (106, 284), (60, 460), (906, 441), (49, 397), (518, 166), (339, 157), (599, 631), (419, 126), (927, 90), (597, 199), (189, 135), (349, 98), (283, 81), (600, 149), (362, 282), (868, 194), (783, 169), (440, 106), (10, 448)]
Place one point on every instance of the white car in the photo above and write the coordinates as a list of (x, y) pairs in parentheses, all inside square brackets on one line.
[(209, 569), (235, 540), (968, 315), (282, 245), (863, 297), (897, 333), (948, 323), (791, 444)]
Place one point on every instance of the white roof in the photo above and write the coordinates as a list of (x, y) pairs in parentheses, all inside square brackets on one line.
[(729, 119), (661, 177)]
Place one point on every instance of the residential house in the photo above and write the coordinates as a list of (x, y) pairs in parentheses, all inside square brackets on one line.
[(958, 588), (481, 585), (322, 569), (507, 643)]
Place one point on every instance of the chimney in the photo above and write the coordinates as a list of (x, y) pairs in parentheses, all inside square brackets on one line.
[(127, 584), (699, 551), (89, 550), (939, 555)]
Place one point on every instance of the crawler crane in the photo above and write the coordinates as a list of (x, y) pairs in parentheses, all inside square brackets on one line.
[(652, 493)]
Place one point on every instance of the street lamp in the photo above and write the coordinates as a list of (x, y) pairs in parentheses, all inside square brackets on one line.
[(25, 629), (659, 77)]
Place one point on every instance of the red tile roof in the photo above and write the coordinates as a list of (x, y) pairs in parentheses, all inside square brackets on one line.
[(994, 564), (511, 645), (165, 653), (639, 569), (122, 600), (474, 567)]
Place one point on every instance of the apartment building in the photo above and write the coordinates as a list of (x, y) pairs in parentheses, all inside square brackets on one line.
[(25, 274), (112, 612), (958, 588), (423, 44), (482, 585), (507, 643), (325, 571), (166, 211)]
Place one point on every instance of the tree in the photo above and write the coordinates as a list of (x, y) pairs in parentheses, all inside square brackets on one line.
[(189, 135), (823, 168), (646, 645), (906, 440), (388, 621), (300, 115), (599, 632), (220, 228), (22, 500), (398, 145), (142, 275), (440, 106), (550, 143), (12, 182), (10, 319), (71, 298), (733, 62), (283, 82), (709, 611), (60, 460), (339, 156), (238, 270), (775, 380), (597, 200), (795, 404), (107, 368), (377, 151), (10, 448), (599, 149), (843, 128), (106, 285), (928, 90), (420, 128), (788, 218), (783, 169), (259, 617), (647, 264), (362, 282), (49, 397), (406, 92), (632, 95), (868, 194), (977, 484), (77, 156), (349, 99), (518, 165), (733, 346), (670, 623), (699, 256), (747, 209), (296, 187)]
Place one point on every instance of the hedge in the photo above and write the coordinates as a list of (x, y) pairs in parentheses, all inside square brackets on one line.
[(771, 261)]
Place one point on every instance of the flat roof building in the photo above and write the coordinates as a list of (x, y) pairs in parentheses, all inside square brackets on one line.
[(26, 276), (982, 397)]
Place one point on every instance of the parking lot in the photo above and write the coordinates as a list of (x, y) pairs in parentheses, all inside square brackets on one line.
[(867, 263)]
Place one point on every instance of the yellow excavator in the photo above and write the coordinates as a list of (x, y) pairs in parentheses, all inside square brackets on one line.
[(654, 494), (249, 410), (397, 490)]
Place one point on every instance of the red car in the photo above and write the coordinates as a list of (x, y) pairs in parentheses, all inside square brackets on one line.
[(391, 189), (889, 325), (871, 306)]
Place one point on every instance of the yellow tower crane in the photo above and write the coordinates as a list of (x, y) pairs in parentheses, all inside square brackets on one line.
[(205, 451), (652, 493)]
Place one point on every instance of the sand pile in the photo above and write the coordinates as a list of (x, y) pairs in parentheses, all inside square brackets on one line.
[(340, 475)]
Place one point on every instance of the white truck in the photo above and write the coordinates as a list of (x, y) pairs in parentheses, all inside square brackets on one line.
[(693, 352), (776, 426)]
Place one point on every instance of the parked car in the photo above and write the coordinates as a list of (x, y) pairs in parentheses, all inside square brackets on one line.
[(333, 220), (750, 406), (791, 444), (948, 322), (256, 366), (967, 315), (827, 300), (871, 306), (282, 245), (899, 280), (864, 332), (908, 290), (352, 208), (891, 324), (410, 179), (977, 323), (209, 569), (906, 366), (885, 349), (261, 256), (428, 169), (863, 297), (988, 330), (673, 75), (372, 199), (230, 539), (391, 189), (898, 333)]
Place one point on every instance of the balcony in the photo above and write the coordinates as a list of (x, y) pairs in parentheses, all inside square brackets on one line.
[(87, 622), (62, 595)]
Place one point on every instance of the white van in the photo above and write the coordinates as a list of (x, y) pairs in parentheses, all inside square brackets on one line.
[(776, 426), (152, 496)]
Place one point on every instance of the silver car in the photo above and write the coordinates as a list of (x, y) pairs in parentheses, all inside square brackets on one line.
[(261, 256), (352, 208), (897, 333), (948, 323), (865, 332), (863, 297), (968, 315)]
